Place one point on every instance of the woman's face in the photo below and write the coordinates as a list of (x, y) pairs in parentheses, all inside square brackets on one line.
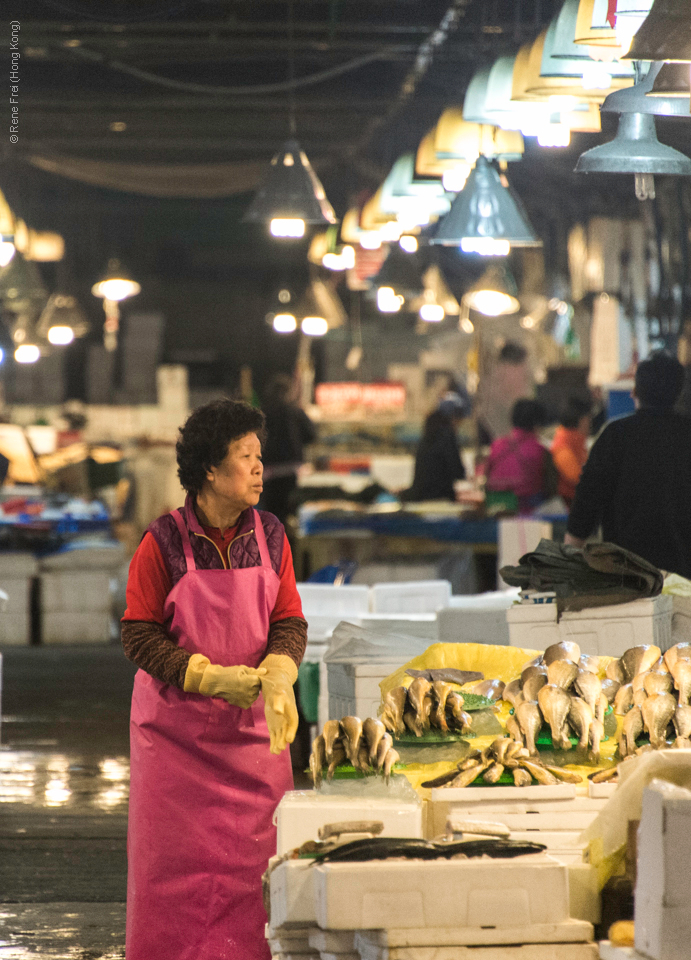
[(238, 478)]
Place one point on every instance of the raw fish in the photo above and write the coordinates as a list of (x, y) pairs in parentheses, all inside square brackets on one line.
[(632, 728), (317, 760), (390, 759), (639, 659), (658, 712), (339, 757), (623, 700), (532, 686), (438, 715), (420, 699), (530, 721), (588, 662), (589, 687), (657, 683), (568, 776), (331, 733), (511, 690), (681, 671), (373, 730), (597, 732), (555, 704), (682, 720), (680, 651), (385, 744), (521, 777), (513, 728), (536, 770), (610, 688), (615, 671), (352, 734), (492, 689), (394, 706), (494, 773), (410, 720), (533, 670), (581, 718), (565, 650), (562, 673)]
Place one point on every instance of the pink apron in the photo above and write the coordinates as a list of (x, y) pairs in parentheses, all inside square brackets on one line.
[(204, 786)]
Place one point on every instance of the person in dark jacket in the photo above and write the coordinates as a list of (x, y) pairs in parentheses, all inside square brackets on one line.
[(438, 463), (636, 483), (288, 430)]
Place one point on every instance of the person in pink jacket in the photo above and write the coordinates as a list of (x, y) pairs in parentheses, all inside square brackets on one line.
[(517, 462)]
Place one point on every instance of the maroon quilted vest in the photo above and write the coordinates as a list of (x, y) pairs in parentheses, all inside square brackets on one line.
[(242, 552)]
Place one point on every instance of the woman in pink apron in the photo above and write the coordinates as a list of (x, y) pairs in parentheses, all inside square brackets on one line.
[(214, 622)]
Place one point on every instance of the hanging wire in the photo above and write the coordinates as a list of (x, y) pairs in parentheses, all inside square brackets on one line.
[(292, 125)]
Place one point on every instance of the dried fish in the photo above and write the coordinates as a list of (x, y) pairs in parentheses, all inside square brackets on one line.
[(338, 757), (568, 776), (680, 651), (682, 720), (385, 744), (581, 718), (597, 733), (602, 776), (681, 671), (317, 760), (657, 713), (493, 773), (447, 675), (420, 699), (533, 670), (632, 728), (467, 776), (438, 715), (610, 688), (352, 734), (511, 690), (533, 685), (639, 659), (410, 720), (530, 720), (492, 689), (623, 700), (441, 781), (562, 673), (390, 759), (589, 687), (331, 733), (565, 650), (615, 671), (539, 773), (657, 683), (394, 706), (373, 730), (521, 777), (555, 704), (589, 663)]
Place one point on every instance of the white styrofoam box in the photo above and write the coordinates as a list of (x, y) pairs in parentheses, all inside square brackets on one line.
[(662, 911), (601, 791), (291, 895), (417, 596), (97, 556), (474, 892), (526, 951), (517, 536), (566, 931), (75, 591), (354, 687), (611, 630), (423, 625), (584, 891), (604, 631), (301, 813), (332, 941), (681, 619), (320, 626), (15, 629), (610, 952), (15, 565), (64, 627), (324, 598), (473, 626)]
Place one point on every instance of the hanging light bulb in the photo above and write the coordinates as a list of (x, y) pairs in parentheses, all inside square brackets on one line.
[(114, 286), (60, 336), (7, 251), (494, 294), (408, 244), (292, 227), (432, 312), (388, 301), (314, 326), (284, 323), (27, 353)]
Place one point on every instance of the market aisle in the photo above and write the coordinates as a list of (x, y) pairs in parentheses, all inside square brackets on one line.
[(64, 781)]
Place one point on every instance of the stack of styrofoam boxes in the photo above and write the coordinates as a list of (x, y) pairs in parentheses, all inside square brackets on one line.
[(662, 909), (76, 595), (608, 631), (409, 607), (553, 815), (477, 619), (324, 607), (17, 573), (293, 927), (681, 619)]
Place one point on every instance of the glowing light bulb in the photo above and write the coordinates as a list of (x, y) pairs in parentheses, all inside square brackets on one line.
[(116, 289), (287, 227), (454, 179), (485, 246), (6, 252), (432, 312), (466, 325), (493, 303), (284, 323), (391, 231), (408, 244), (388, 301), (314, 326), (27, 353), (554, 135), (370, 240), (60, 336), (596, 76)]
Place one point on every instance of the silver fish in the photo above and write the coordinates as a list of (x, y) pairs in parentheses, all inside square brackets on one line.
[(581, 718), (373, 730), (623, 700), (657, 713), (352, 734), (632, 728), (562, 673), (530, 721), (555, 704)]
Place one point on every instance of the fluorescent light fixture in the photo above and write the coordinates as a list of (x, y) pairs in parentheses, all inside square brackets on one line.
[(60, 335), (27, 353), (432, 312), (285, 323), (314, 326), (287, 227)]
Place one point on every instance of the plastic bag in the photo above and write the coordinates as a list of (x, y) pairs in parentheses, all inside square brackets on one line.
[(349, 643)]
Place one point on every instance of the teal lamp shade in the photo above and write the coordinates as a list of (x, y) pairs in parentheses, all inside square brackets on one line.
[(475, 102), (488, 100), (485, 216), (402, 193), (291, 191), (563, 57), (665, 34), (636, 100), (21, 286)]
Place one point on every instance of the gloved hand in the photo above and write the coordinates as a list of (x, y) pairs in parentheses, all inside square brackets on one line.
[(237, 685), (280, 708)]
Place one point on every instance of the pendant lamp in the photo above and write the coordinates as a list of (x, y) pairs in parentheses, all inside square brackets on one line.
[(562, 56), (494, 294), (673, 80), (21, 286), (115, 285), (629, 17), (320, 309), (457, 139), (61, 320), (665, 34), (636, 149), (402, 274), (539, 85), (485, 217), (412, 201), (452, 171), (593, 26)]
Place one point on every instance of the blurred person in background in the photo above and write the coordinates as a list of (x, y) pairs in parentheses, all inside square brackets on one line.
[(438, 463), (507, 380), (636, 483), (569, 447), (288, 431), (518, 463)]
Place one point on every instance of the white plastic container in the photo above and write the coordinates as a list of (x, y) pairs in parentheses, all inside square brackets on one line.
[(354, 687), (301, 813), (526, 951), (64, 627), (423, 625), (417, 596), (292, 895), (602, 631), (415, 893), (567, 931), (76, 591), (681, 619), (324, 598), (17, 572)]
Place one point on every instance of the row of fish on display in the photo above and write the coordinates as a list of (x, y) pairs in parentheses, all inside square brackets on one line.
[(367, 746)]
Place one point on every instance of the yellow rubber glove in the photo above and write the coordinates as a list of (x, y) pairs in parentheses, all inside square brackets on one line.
[(280, 708), (237, 685)]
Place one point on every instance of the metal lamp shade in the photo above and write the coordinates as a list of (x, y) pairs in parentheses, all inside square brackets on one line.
[(321, 300), (560, 85), (665, 34), (21, 286), (636, 99), (635, 149), (291, 190), (402, 194), (457, 139), (563, 57), (497, 288), (402, 272), (673, 80), (62, 310), (485, 209), (592, 26)]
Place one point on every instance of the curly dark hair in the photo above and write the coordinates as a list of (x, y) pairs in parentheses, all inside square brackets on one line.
[(206, 435)]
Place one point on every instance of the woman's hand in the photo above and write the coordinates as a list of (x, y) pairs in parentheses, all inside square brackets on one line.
[(237, 685), (280, 673)]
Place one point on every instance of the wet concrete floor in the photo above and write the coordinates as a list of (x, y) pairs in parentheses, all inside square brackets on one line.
[(64, 781)]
